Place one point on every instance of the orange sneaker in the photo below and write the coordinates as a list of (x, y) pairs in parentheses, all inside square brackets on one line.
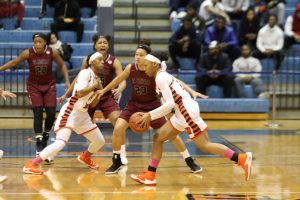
[(148, 178), (31, 168), (87, 161), (245, 161)]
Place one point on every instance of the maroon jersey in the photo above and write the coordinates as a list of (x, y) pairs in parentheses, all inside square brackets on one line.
[(40, 66), (143, 86), (107, 74)]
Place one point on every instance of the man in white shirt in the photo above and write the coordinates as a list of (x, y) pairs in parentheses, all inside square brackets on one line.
[(292, 28), (210, 9), (235, 8), (247, 63), (270, 42)]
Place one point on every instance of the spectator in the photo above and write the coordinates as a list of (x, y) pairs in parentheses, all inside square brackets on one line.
[(185, 42), (212, 63), (92, 4), (11, 8), (292, 28), (225, 36), (246, 63), (277, 7), (44, 3), (210, 9), (235, 8), (176, 5), (192, 11), (270, 41), (260, 11), (67, 17), (64, 50), (249, 28)]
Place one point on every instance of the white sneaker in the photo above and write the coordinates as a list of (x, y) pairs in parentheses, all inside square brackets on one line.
[(3, 178), (1, 154), (173, 15), (124, 159), (264, 95)]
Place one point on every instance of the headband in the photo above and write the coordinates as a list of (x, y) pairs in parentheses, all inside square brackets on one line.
[(152, 58), (94, 56), (41, 35), (145, 47)]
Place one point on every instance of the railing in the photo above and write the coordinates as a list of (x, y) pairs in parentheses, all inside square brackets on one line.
[(137, 24)]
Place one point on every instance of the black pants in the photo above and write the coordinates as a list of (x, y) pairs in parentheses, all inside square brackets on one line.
[(92, 4), (44, 4), (226, 82), (278, 56), (75, 26), (289, 41), (193, 51)]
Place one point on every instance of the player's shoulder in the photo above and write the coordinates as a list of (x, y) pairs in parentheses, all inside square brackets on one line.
[(84, 73), (163, 76)]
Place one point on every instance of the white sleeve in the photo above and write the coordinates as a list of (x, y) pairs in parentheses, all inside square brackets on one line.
[(280, 40), (245, 5), (236, 68), (259, 42), (83, 79), (163, 86), (258, 67), (288, 26), (227, 7)]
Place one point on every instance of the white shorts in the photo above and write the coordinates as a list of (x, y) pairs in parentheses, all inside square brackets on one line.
[(187, 117), (78, 121)]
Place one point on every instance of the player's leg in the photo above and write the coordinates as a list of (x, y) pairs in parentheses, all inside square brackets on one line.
[(62, 137), (118, 134), (180, 146), (165, 133), (38, 127), (96, 142), (2, 178)]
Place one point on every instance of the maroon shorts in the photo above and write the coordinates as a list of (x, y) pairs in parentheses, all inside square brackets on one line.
[(133, 107), (42, 95), (107, 105)]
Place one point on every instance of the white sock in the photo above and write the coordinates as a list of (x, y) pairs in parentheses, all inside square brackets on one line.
[(185, 154), (123, 147)]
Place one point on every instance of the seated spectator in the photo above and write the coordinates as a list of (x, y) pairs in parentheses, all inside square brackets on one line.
[(92, 4), (43, 11), (192, 11), (246, 63), (176, 5), (292, 28), (10, 9), (260, 11), (249, 27), (212, 63), (64, 50), (185, 42), (67, 17), (270, 41), (225, 36), (210, 9), (235, 8), (277, 8)]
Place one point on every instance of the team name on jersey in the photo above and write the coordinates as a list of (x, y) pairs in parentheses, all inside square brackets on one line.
[(141, 81)]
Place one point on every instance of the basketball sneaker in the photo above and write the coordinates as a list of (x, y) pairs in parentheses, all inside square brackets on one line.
[(193, 166), (116, 166), (124, 159), (3, 178), (245, 161), (45, 139), (147, 178), (87, 161), (39, 145), (31, 168), (49, 161)]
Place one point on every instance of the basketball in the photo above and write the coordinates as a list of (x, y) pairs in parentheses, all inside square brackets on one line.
[(136, 127)]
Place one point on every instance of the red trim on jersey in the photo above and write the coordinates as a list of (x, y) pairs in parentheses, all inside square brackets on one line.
[(62, 140), (68, 111), (88, 131), (175, 129)]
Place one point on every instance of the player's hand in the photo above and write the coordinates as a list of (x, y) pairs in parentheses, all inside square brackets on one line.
[(98, 84), (5, 94), (100, 93), (196, 95), (145, 119), (116, 92), (61, 99)]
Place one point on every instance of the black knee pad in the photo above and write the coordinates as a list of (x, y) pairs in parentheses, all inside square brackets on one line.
[(50, 112), (38, 119)]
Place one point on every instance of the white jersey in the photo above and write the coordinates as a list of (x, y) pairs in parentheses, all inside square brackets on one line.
[(86, 78), (187, 112)]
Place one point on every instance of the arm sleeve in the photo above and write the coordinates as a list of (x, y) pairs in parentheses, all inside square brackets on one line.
[(245, 5), (235, 68), (232, 38), (82, 80), (259, 41), (258, 68), (163, 86), (280, 41), (288, 26)]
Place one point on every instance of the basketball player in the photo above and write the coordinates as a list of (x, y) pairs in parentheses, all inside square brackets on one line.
[(186, 117), (73, 116), (107, 103), (144, 99), (41, 85), (4, 94)]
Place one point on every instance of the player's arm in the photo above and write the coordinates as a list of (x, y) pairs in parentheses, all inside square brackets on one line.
[(19, 59), (5, 94), (83, 81), (193, 93), (62, 67), (118, 70), (113, 84), (84, 64)]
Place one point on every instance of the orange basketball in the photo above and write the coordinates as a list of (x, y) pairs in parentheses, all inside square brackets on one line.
[(136, 127)]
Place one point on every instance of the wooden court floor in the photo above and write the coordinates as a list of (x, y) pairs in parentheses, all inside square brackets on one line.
[(275, 175)]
